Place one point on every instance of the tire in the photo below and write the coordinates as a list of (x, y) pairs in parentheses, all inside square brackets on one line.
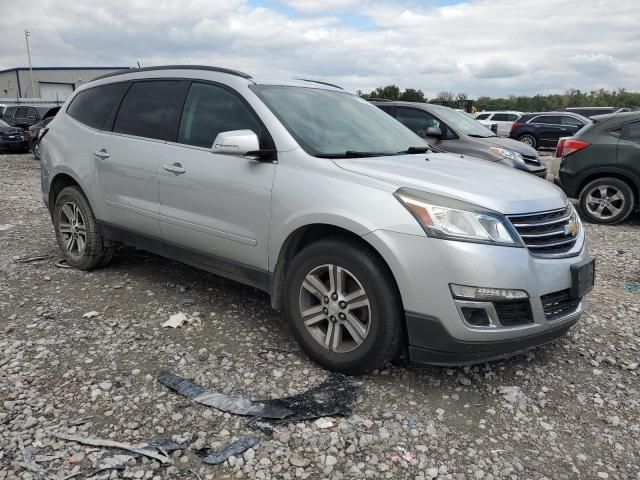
[(73, 217), (528, 139), (35, 148), (379, 324), (618, 201)]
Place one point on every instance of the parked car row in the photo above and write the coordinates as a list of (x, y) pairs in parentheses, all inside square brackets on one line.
[(367, 236), (20, 126)]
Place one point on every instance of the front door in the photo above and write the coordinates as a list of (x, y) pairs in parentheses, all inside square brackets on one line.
[(217, 206)]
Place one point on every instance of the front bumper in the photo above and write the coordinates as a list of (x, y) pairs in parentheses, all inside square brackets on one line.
[(425, 267), (22, 144)]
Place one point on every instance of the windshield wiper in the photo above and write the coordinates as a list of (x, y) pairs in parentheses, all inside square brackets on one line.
[(481, 136), (355, 154)]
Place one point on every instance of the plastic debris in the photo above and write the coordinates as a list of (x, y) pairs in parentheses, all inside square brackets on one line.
[(179, 319), (118, 459), (145, 449), (633, 287), (90, 314), (62, 264), (29, 463), (226, 403), (214, 457)]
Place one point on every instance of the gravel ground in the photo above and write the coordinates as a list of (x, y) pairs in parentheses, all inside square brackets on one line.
[(566, 410)]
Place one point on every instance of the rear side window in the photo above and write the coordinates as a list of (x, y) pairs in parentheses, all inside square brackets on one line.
[(388, 109), (21, 112), (9, 112), (417, 120), (483, 116), (211, 109), (571, 121), (150, 108), (547, 119), (92, 107), (631, 132), (505, 117)]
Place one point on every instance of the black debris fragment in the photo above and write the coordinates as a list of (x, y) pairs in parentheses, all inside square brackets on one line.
[(226, 403), (214, 457), (334, 396)]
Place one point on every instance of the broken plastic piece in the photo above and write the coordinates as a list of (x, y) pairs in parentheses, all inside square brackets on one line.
[(214, 457), (226, 403), (146, 449), (90, 314), (118, 459)]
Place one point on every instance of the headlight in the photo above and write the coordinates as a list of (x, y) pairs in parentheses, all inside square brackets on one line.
[(504, 153), (443, 217)]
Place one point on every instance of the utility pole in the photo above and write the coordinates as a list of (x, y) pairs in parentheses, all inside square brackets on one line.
[(27, 34)]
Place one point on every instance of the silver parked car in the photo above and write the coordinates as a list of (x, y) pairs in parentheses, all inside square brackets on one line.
[(366, 238)]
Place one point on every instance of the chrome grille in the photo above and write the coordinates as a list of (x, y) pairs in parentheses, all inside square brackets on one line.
[(546, 233)]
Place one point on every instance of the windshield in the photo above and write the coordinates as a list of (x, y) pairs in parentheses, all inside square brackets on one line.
[(4, 124), (334, 124), (463, 123)]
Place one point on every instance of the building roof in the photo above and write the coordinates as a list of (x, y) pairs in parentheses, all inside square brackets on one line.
[(16, 69)]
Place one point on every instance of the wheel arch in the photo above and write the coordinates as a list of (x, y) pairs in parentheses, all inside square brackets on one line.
[(628, 178), (306, 235), (59, 182)]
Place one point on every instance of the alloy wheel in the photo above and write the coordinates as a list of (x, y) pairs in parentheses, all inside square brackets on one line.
[(335, 308), (605, 202), (73, 229)]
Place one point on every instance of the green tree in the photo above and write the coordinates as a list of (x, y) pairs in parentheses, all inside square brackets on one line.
[(412, 95)]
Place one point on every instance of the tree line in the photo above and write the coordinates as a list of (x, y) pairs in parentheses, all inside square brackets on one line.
[(523, 103)]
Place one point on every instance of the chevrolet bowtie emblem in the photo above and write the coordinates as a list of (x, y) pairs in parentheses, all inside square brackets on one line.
[(571, 228)]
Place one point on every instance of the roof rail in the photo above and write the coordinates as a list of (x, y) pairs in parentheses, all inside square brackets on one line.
[(319, 82), (375, 99), (176, 67)]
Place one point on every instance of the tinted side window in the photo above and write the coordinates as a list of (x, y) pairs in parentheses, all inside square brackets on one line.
[(547, 119), (417, 120), (502, 117), (571, 121), (388, 109), (632, 132), (21, 112), (483, 116), (9, 112), (150, 108), (92, 107), (209, 110)]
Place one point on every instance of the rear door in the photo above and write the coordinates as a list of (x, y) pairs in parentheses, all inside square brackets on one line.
[(548, 129), (216, 205), (125, 173), (570, 125)]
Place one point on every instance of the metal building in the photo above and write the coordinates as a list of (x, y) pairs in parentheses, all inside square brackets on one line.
[(51, 84)]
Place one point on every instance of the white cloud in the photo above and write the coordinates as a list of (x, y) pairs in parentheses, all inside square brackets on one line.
[(481, 47)]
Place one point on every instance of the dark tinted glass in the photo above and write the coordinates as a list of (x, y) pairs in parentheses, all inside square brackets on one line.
[(390, 110), (632, 131), (211, 109), (149, 108), (547, 119), (502, 117), (483, 116), (21, 112), (571, 121), (92, 107), (417, 120)]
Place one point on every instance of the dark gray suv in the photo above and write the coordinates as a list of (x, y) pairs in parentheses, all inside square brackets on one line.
[(455, 132)]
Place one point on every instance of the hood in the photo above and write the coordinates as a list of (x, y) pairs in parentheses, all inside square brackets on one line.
[(481, 182), (11, 131), (512, 144)]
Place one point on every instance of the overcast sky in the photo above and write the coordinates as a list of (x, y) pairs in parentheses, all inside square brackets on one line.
[(480, 47)]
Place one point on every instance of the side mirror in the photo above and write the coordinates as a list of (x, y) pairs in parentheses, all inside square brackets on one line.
[(236, 142), (434, 132)]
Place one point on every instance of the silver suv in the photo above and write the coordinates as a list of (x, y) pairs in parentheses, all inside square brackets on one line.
[(367, 239)]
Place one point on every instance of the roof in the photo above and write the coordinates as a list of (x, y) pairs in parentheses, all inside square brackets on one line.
[(40, 69), (621, 116)]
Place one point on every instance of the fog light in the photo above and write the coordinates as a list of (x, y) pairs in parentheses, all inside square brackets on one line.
[(482, 293), (476, 317)]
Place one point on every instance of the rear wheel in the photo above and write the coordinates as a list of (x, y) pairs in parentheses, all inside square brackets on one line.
[(606, 200), (529, 140), (343, 306), (77, 232), (35, 148)]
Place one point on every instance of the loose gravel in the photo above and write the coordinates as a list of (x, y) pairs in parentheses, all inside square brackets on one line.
[(570, 409)]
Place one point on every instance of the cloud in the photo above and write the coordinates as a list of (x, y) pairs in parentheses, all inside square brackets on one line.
[(481, 47)]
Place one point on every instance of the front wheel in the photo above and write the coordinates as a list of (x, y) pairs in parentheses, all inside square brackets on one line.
[(77, 232), (343, 306), (35, 148), (529, 140), (606, 200)]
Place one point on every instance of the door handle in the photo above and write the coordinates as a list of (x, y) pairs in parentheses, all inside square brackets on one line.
[(175, 168), (101, 153)]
